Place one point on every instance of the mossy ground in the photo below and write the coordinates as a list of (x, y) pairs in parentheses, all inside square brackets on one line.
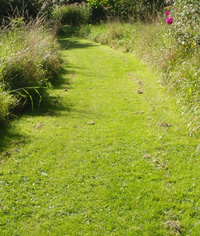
[(109, 155)]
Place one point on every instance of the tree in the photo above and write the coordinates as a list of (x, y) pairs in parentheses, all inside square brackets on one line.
[(141, 9)]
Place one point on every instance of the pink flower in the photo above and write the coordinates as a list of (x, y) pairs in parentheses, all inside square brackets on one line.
[(169, 20), (167, 13)]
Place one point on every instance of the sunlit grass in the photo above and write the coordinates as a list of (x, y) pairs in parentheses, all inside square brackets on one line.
[(177, 65), (109, 156)]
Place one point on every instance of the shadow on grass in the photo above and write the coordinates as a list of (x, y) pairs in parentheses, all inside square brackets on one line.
[(52, 104), (59, 81), (8, 136), (69, 44)]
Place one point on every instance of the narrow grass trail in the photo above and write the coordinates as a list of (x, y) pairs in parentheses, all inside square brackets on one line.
[(109, 155)]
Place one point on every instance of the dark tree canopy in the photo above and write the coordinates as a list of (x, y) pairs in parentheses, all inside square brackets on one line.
[(139, 9), (28, 8)]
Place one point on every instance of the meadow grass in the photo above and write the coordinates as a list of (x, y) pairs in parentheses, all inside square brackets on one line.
[(29, 60), (110, 155)]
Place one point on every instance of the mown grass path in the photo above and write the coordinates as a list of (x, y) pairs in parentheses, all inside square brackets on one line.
[(109, 155)]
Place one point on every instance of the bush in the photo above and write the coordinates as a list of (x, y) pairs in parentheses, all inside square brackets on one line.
[(73, 15), (185, 28), (29, 59), (182, 70), (98, 14)]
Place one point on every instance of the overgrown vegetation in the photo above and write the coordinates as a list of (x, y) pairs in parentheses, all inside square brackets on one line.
[(6, 103), (29, 56), (29, 59), (27, 8), (71, 17), (131, 9)]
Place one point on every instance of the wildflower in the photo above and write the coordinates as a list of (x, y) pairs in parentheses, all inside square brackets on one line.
[(106, 8), (169, 20), (167, 13)]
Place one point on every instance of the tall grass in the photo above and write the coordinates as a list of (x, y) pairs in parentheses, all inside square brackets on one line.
[(6, 104), (29, 59)]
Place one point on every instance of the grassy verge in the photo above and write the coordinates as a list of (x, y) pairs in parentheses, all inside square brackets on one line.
[(110, 156)]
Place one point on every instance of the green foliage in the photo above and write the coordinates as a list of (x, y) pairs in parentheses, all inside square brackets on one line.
[(6, 104), (182, 70), (72, 15), (185, 28), (114, 34), (29, 59), (28, 9), (136, 9)]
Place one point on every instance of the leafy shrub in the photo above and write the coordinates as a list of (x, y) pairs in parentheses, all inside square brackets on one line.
[(136, 9), (186, 24), (73, 15), (98, 14)]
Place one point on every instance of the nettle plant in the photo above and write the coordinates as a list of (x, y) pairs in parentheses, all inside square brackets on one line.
[(185, 29)]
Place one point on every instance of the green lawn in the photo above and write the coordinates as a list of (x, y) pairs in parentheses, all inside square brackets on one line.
[(108, 154)]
